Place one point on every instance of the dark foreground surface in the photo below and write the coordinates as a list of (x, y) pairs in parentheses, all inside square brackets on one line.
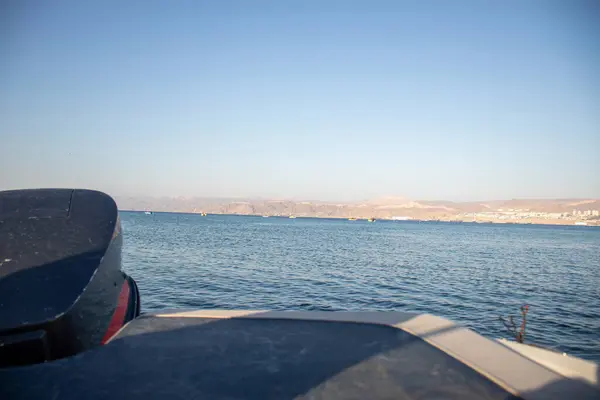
[(274, 358)]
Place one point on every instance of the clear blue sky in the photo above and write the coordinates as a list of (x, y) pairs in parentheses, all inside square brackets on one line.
[(349, 100)]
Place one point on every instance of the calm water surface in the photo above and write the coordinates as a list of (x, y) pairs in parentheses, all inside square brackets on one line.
[(470, 273)]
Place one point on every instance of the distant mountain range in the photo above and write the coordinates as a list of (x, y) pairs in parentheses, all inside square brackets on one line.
[(386, 207)]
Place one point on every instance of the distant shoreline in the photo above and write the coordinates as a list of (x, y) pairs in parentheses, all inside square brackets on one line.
[(516, 211), (593, 223)]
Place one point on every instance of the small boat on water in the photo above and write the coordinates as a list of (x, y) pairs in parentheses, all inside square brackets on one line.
[(351, 219), (265, 216), (371, 220), (148, 212), (203, 214), (292, 217)]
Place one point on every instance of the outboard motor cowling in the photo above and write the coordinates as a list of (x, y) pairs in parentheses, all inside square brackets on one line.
[(62, 290)]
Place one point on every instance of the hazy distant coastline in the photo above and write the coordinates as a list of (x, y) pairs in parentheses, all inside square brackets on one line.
[(560, 211)]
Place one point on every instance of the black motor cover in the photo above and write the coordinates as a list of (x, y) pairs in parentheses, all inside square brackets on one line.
[(60, 272)]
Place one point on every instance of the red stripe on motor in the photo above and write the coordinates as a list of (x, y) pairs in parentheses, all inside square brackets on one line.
[(119, 315)]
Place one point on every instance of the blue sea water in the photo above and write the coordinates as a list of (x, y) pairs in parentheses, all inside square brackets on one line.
[(469, 273)]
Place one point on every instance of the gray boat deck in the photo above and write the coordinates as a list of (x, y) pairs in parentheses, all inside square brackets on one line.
[(285, 355)]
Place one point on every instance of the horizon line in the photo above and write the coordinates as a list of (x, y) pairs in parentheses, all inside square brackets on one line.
[(402, 198)]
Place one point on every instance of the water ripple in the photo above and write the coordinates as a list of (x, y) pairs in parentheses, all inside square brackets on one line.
[(470, 273)]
